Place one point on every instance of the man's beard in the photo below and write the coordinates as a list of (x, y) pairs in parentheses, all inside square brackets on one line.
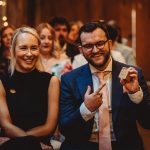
[(62, 40), (106, 58)]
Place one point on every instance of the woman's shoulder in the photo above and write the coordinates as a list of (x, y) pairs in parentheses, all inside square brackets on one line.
[(47, 78), (43, 74)]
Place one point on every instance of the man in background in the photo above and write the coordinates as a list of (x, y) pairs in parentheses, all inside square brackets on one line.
[(62, 29)]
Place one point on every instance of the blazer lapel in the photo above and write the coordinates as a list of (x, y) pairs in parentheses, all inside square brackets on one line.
[(117, 90), (84, 79)]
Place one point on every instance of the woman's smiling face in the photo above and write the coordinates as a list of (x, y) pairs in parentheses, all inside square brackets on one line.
[(26, 52)]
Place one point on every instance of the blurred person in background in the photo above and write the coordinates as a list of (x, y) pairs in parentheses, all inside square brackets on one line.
[(126, 51), (6, 33), (62, 29), (116, 55), (74, 31), (51, 57)]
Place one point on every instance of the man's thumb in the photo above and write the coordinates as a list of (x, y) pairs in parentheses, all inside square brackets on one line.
[(88, 91)]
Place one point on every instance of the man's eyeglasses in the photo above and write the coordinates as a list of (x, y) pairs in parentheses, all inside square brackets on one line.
[(99, 45)]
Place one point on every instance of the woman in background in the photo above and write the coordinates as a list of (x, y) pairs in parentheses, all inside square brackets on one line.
[(51, 57), (29, 97), (75, 27), (6, 33)]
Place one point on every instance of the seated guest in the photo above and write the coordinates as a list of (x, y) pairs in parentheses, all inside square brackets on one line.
[(74, 31), (62, 29), (98, 107), (51, 57), (29, 97), (6, 33)]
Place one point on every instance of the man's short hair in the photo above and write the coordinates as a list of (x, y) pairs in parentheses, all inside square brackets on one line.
[(91, 26), (60, 21)]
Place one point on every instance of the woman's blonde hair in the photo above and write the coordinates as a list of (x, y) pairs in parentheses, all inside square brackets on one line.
[(19, 31), (55, 48)]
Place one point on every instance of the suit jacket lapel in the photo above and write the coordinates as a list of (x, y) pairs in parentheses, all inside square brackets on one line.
[(84, 80), (117, 90)]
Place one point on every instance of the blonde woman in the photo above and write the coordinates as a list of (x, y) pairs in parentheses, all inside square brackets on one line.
[(28, 96), (53, 59)]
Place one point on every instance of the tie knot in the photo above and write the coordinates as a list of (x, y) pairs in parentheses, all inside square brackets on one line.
[(101, 74)]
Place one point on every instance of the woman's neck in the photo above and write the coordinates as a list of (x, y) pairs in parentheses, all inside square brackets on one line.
[(46, 57)]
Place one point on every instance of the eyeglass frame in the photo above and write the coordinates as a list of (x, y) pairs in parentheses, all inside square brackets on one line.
[(96, 45)]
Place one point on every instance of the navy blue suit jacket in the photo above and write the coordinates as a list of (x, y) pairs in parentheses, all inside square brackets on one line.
[(124, 112)]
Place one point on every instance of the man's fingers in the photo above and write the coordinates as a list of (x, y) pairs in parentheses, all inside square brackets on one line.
[(88, 91), (123, 82), (99, 89), (132, 70), (133, 76)]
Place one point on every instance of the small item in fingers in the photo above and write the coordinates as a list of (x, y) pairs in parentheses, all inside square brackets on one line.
[(124, 74)]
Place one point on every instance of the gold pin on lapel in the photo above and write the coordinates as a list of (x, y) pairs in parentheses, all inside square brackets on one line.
[(12, 91)]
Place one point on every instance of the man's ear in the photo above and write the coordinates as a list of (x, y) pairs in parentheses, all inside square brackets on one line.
[(110, 44), (80, 48)]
